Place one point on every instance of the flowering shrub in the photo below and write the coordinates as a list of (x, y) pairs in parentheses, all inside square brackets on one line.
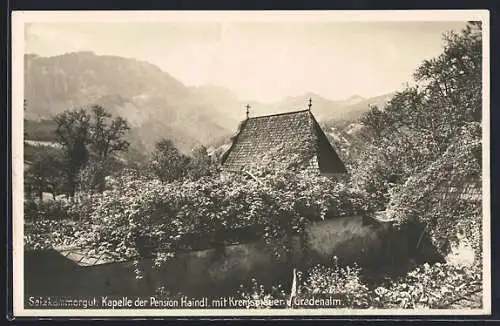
[(426, 198), (258, 298), (138, 214), (430, 286), (438, 286), (44, 234), (342, 283)]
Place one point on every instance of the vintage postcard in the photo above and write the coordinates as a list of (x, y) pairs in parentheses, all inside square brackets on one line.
[(328, 163)]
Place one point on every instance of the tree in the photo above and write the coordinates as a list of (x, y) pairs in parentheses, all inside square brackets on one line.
[(44, 174), (106, 134), (90, 138), (201, 164), (453, 79), (73, 134), (106, 139), (377, 120), (167, 163), (25, 107), (420, 122)]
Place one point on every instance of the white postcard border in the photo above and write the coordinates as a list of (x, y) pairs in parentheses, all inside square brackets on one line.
[(19, 18)]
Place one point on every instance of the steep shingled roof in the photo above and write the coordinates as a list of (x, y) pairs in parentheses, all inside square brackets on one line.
[(292, 132)]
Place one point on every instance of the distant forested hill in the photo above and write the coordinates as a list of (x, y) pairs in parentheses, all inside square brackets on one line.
[(154, 103)]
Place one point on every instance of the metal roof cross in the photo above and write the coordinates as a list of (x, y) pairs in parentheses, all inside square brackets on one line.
[(248, 109)]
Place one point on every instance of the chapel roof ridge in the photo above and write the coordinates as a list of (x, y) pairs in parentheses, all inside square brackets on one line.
[(279, 114)]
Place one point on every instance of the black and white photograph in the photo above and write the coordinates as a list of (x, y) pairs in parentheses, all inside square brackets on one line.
[(257, 163)]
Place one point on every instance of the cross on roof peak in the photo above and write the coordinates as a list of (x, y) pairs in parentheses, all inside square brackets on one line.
[(310, 104), (248, 110)]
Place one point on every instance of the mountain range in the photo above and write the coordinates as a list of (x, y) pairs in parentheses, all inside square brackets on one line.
[(155, 104)]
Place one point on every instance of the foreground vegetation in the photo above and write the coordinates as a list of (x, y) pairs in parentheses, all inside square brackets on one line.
[(147, 218), (429, 286), (425, 141)]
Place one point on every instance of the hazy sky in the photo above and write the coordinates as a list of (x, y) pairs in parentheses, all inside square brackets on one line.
[(261, 61)]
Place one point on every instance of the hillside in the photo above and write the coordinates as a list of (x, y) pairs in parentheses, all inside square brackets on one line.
[(155, 103), (352, 112)]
